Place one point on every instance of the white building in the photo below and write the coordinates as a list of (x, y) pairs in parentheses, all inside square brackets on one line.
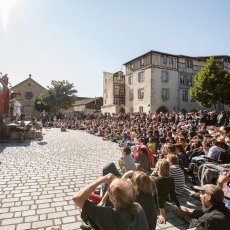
[(157, 81)]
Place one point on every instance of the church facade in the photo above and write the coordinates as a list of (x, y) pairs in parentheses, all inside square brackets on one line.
[(26, 93)]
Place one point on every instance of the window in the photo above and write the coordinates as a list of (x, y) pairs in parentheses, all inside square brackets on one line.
[(116, 90), (189, 63), (141, 93), (170, 61), (29, 95), (164, 60), (119, 100), (182, 79), (165, 94), (105, 81), (131, 95), (142, 62), (164, 76), (184, 95), (130, 80), (141, 76), (122, 90), (132, 66), (141, 109), (181, 65), (116, 101), (189, 80), (186, 80)]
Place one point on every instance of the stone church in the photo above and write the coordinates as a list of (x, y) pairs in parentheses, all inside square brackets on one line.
[(26, 93)]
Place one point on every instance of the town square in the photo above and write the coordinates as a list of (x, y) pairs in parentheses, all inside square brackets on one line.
[(39, 179), (114, 115)]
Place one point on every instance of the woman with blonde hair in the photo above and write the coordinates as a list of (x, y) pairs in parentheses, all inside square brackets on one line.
[(143, 187)]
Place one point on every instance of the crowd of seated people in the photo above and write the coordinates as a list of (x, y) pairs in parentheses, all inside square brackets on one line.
[(162, 147)]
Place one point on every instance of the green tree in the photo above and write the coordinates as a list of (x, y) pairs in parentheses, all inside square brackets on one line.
[(212, 85), (40, 105), (60, 95)]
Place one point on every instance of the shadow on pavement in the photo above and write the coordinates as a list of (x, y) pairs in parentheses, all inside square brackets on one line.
[(4, 145), (42, 142)]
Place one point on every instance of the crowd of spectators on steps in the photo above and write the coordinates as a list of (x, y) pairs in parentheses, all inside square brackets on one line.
[(162, 147)]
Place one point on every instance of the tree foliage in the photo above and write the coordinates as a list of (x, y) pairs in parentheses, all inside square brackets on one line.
[(39, 105), (60, 95), (212, 85)]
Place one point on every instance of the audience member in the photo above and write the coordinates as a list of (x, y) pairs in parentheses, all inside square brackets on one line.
[(126, 214)]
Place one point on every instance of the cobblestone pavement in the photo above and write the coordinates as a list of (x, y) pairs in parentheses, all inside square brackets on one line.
[(39, 178)]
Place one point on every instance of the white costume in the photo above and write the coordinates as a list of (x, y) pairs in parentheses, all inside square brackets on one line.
[(17, 108)]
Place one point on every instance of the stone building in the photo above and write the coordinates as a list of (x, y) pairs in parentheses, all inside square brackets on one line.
[(157, 81), (114, 92), (87, 105), (26, 93)]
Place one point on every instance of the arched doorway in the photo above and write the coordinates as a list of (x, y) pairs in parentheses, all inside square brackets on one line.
[(183, 111), (162, 109)]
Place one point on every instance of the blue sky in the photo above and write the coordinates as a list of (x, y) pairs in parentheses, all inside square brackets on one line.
[(77, 40)]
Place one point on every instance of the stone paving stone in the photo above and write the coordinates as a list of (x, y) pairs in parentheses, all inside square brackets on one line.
[(59, 209), (42, 217), (8, 227), (23, 226), (39, 178), (21, 208), (4, 210), (5, 205), (6, 215), (57, 222), (72, 226), (31, 218), (40, 206), (17, 214), (29, 213), (12, 221), (9, 200), (57, 215), (44, 223), (69, 219), (28, 202)]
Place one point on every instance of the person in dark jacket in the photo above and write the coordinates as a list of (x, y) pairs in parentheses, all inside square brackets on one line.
[(216, 216), (143, 187), (164, 188)]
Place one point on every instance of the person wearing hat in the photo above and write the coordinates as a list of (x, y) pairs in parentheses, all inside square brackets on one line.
[(215, 215)]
